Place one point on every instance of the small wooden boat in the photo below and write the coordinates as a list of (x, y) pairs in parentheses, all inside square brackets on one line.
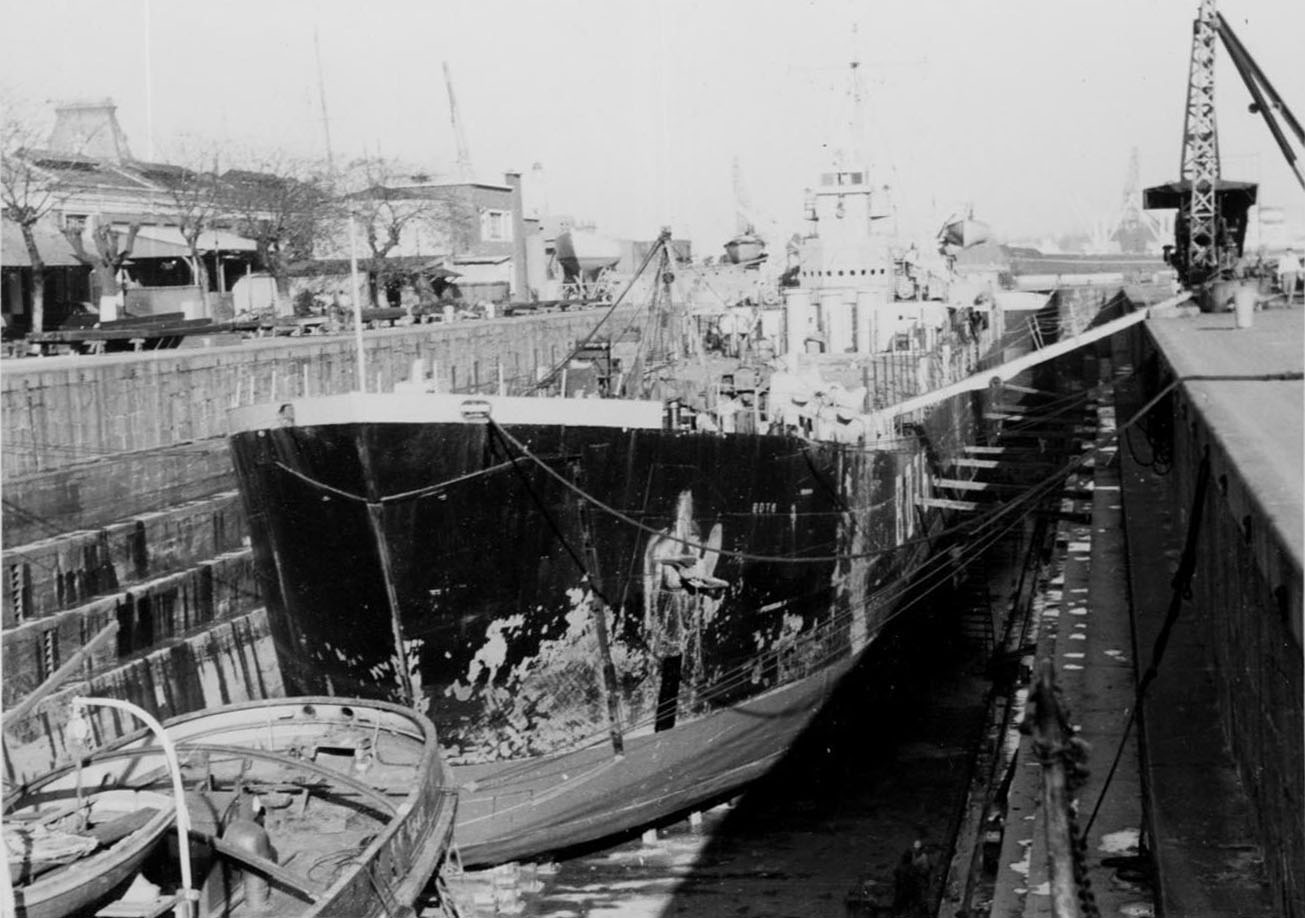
[(303, 806), (745, 248), (66, 857)]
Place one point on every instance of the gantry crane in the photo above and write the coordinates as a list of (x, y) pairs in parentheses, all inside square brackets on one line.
[(1210, 227)]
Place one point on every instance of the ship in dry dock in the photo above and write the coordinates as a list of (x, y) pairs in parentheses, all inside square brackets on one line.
[(619, 607)]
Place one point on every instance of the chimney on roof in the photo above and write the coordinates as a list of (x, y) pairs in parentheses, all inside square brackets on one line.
[(520, 276), (89, 128)]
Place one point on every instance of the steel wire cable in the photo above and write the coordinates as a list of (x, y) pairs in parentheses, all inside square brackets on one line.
[(903, 596), (689, 543), (933, 573), (991, 519), (548, 377)]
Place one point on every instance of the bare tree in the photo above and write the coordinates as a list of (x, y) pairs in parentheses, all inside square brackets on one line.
[(111, 253), (194, 195), (279, 202), (27, 194), (388, 203)]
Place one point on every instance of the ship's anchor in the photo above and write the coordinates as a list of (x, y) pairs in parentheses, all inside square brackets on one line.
[(679, 578)]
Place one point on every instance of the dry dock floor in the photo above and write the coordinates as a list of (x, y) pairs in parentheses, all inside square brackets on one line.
[(1179, 793)]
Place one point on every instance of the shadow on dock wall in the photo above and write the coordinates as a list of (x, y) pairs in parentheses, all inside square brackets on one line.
[(1248, 594), (225, 663)]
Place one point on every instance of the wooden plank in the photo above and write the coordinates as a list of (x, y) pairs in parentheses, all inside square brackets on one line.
[(965, 462), (74, 663), (965, 484), (1051, 432), (1067, 417), (945, 503), (1027, 391), (1001, 451)]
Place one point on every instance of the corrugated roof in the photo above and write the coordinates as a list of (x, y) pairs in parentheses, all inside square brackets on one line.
[(209, 240), (145, 247)]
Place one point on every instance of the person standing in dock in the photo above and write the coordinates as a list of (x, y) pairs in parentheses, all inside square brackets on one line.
[(1288, 272)]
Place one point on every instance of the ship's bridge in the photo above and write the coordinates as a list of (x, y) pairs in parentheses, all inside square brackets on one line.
[(848, 248)]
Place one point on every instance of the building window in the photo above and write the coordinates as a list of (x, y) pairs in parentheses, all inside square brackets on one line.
[(75, 222), (496, 226)]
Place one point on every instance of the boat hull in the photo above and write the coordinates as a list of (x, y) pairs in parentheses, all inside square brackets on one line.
[(380, 805), (84, 885), (563, 801), (553, 593)]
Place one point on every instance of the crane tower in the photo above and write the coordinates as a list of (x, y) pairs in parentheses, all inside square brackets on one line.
[(1200, 162), (465, 171)]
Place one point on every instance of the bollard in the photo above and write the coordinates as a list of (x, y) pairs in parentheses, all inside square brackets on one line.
[(1244, 301), (248, 835)]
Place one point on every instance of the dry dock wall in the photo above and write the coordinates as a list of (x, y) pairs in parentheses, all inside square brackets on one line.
[(59, 411), (229, 662), (120, 514), (1248, 592)]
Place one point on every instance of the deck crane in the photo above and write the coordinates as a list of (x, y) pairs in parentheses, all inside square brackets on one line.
[(465, 172), (1210, 227)]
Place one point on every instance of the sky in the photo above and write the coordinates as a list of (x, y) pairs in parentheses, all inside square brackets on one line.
[(632, 115)]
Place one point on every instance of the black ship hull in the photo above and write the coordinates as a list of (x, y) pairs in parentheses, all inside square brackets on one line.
[(574, 599)]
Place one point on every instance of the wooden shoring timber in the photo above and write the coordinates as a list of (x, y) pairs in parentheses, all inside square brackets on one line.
[(1064, 417), (1059, 409), (946, 503), (60, 675), (967, 462), (1026, 390), (1001, 450), (1021, 463), (970, 484), (1050, 433)]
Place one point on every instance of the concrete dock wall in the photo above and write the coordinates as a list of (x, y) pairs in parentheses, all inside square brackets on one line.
[(58, 411), (229, 662), (1249, 586), (121, 522), (64, 571), (1248, 592)]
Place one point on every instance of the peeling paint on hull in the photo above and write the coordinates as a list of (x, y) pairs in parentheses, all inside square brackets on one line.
[(500, 574)]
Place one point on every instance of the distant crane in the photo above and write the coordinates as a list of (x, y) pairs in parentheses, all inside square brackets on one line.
[(1135, 230), (1210, 227), (465, 171)]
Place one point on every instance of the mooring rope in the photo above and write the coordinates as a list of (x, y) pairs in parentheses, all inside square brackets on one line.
[(1032, 493), (414, 494)]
